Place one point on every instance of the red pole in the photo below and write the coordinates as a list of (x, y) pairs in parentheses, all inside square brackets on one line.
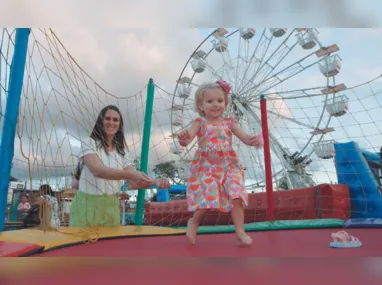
[(267, 159)]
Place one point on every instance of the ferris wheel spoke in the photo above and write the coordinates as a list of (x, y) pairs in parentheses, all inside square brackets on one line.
[(281, 153), (249, 93), (214, 72), (240, 60), (248, 82), (259, 61), (292, 67), (276, 148), (304, 91), (252, 94), (252, 59), (282, 57), (278, 115), (227, 66), (275, 52), (306, 95), (250, 155), (256, 121), (294, 73), (298, 63)]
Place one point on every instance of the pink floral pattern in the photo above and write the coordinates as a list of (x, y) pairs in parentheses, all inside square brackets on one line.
[(217, 175)]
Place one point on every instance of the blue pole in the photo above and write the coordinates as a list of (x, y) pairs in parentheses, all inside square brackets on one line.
[(16, 77), (163, 195)]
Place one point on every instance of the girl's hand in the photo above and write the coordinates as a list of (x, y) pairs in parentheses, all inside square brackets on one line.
[(183, 137), (256, 141)]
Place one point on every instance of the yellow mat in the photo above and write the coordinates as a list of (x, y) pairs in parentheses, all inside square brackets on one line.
[(64, 236)]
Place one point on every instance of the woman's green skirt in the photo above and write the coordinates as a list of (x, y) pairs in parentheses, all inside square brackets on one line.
[(89, 210)]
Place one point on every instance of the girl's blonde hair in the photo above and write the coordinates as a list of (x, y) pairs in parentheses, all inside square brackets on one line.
[(200, 92)]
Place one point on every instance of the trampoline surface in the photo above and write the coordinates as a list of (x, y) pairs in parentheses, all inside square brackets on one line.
[(164, 256), (286, 243)]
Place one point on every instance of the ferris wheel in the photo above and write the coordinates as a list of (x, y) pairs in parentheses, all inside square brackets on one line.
[(296, 74)]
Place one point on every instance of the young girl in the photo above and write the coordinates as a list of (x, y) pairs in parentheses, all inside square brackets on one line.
[(217, 177)]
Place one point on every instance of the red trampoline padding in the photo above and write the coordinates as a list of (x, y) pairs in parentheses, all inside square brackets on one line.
[(15, 249), (264, 271)]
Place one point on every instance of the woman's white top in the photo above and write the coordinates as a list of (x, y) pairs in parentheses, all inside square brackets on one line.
[(98, 186)]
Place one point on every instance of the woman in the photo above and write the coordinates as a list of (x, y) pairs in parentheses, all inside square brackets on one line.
[(106, 164)]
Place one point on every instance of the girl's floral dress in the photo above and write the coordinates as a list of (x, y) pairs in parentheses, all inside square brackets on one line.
[(216, 173)]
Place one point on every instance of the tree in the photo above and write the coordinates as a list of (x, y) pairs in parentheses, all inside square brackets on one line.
[(283, 183), (137, 162), (13, 178), (168, 170)]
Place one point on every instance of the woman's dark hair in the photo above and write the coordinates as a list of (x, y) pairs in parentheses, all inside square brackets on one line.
[(77, 173), (99, 135), (45, 189)]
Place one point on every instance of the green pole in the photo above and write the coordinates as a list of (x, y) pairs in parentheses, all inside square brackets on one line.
[(145, 150)]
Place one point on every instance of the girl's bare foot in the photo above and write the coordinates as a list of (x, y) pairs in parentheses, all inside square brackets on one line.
[(244, 238), (192, 229)]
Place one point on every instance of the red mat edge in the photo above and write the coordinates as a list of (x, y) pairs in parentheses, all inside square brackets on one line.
[(18, 249)]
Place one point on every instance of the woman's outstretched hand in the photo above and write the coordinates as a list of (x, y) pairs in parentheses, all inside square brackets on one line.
[(140, 180), (162, 183)]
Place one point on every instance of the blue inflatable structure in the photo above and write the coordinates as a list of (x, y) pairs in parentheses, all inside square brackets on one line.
[(163, 195), (360, 171)]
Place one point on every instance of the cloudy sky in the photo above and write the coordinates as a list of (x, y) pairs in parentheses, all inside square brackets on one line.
[(118, 64), (198, 13)]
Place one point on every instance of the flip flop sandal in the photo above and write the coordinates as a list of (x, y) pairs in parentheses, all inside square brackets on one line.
[(342, 239)]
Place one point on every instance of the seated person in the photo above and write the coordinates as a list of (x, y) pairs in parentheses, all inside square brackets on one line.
[(23, 207)]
